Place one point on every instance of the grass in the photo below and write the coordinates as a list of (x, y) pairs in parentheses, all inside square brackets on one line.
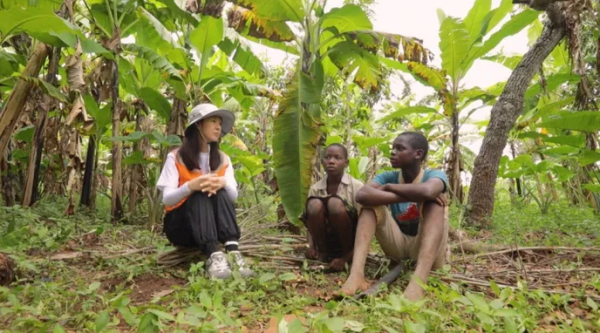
[(131, 293)]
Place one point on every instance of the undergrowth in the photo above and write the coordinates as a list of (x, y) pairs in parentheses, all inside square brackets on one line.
[(73, 278)]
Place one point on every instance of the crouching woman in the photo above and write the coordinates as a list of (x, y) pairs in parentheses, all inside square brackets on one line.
[(199, 190)]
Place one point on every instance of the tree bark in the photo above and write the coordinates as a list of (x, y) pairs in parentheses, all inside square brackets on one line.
[(15, 103), (176, 125), (116, 207), (31, 194), (136, 169), (86, 189), (455, 161), (503, 116), (7, 176)]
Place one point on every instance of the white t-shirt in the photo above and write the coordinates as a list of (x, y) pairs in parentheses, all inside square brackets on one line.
[(168, 182)]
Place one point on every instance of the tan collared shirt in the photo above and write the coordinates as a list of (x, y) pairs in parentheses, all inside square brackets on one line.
[(347, 189)]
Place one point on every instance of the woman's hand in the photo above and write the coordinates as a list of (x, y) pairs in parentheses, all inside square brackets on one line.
[(199, 183), (213, 185)]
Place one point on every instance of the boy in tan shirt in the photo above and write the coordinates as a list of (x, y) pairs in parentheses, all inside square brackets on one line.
[(331, 213)]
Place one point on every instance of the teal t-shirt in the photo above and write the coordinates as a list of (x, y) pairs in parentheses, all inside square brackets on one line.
[(407, 214)]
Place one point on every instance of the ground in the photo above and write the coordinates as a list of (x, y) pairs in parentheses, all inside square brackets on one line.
[(81, 274)]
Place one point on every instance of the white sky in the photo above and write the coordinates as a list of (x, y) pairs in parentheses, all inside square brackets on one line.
[(419, 19)]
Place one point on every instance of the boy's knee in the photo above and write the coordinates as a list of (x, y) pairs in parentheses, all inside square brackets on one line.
[(335, 207), (432, 212), (315, 207)]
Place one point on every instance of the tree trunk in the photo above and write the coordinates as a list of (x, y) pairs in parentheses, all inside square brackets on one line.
[(455, 165), (503, 116), (116, 207), (15, 103), (86, 189), (6, 173), (95, 179), (176, 125), (31, 194), (136, 169), (513, 150)]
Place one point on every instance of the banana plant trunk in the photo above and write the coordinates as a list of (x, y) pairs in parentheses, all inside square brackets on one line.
[(86, 189), (31, 194), (503, 116), (116, 207), (7, 176), (15, 103), (136, 169), (455, 165)]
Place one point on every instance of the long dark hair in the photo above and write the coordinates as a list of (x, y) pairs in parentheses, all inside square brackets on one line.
[(190, 149)]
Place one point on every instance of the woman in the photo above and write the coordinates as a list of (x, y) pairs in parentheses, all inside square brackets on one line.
[(199, 189)]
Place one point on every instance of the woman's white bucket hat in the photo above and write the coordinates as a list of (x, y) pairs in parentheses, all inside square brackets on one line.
[(206, 110)]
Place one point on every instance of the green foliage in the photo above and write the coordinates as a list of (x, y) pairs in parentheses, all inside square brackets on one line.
[(102, 295)]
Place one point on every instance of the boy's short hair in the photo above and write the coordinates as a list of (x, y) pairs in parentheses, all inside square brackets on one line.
[(341, 146), (417, 141)]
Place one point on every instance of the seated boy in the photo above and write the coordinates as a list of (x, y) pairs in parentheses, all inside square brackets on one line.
[(332, 211), (414, 227)]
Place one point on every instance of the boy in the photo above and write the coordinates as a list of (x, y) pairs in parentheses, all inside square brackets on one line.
[(332, 211), (414, 227)]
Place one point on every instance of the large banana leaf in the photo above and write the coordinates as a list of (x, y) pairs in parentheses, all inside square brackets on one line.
[(157, 61), (475, 22), (274, 10), (584, 121), (393, 46), (249, 23), (296, 132), (551, 83), (243, 56), (510, 28), (206, 35), (43, 4), (179, 12), (347, 18), (454, 44), (364, 65), (39, 22)]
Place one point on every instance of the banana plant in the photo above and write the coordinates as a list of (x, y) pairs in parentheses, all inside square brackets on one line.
[(327, 43), (462, 42)]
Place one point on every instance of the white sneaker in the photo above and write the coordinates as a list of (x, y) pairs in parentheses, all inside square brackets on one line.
[(217, 266), (240, 263)]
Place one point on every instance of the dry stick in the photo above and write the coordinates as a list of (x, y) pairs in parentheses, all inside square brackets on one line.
[(534, 271), (271, 246), (535, 248), (389, 278), (482, 283), (278, 239), (128, 252)]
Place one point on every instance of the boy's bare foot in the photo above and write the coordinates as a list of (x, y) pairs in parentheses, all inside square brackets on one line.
[(414, 292), (311, 253), (354, 284), (337, 264)]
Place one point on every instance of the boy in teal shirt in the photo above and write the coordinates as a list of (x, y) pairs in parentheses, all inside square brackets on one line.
[(405, 210)]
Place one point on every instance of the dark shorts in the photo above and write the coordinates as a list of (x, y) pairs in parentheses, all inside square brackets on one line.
[(335, 249)]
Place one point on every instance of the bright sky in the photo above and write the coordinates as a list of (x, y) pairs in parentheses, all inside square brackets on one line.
[(419, 19)]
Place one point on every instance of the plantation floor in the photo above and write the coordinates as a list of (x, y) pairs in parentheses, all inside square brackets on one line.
[(78, 274)]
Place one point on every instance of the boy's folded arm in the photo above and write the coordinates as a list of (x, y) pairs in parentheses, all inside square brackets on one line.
[(372, 194), (422, 192)]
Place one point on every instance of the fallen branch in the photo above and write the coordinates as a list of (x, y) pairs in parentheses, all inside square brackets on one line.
[(388, 279), (129, 252), (531, 248)]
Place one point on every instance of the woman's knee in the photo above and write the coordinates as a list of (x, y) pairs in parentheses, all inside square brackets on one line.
[(315, 207)]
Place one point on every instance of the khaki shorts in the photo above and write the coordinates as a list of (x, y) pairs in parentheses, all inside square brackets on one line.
[(399, 246)]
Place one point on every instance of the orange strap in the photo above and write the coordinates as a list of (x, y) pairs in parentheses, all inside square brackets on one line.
[(186, 175)]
